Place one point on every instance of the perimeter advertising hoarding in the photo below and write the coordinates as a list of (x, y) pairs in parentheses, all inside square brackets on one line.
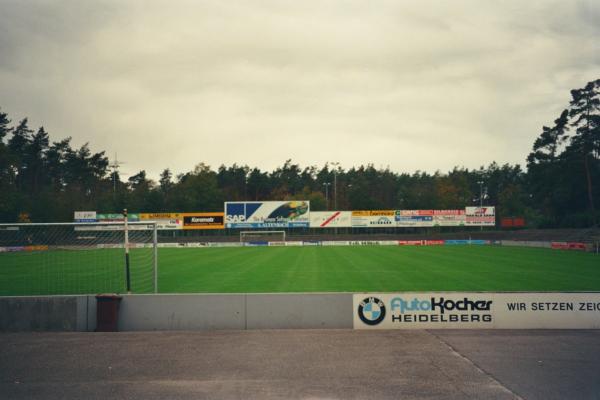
[(330, 219), (267, 214), (208, 220), (412, 218), (84, 216), (480, 216), (373, 219), (113, 227), (478, 310), (449, 217), (112, 217), (164, 221)]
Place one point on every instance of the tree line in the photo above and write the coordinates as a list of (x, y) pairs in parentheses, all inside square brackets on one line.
[(43, 180)]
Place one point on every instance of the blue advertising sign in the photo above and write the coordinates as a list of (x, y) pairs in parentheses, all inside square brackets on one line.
[(267, 214)]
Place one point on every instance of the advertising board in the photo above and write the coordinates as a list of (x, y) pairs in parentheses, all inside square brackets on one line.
[(476, 310), (267, 214), (480, 216), (410, 242), (114, 217), (373, 219), (208, 220), (336, 243), (413, 218), (164, 221), (512, 222), (113, 227), (568, 246), (84, 216), (461, 242), (449, 217), (330, 219)]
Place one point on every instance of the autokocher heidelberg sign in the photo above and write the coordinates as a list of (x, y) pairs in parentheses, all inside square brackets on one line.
[(477, 310)]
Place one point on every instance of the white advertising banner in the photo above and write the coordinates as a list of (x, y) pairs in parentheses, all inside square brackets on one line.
[(84, 216), (330, 219), (449, 217), (113, 227), (373, 219), (477, 310), (480, 216), (336, 243)]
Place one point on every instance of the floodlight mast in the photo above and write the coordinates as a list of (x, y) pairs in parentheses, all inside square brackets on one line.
[(335, 172), (480, 198), (116, 164), (127, 271), (327, 184), (336, 164)]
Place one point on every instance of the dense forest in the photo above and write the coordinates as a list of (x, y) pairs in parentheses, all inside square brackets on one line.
[(43, 180)]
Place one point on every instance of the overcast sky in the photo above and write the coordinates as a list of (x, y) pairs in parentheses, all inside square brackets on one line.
[(406, 84)]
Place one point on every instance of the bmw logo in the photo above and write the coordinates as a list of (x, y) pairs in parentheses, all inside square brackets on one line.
[(371, 311)]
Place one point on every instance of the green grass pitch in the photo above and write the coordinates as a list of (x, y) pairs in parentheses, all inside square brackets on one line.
[(303, 269)]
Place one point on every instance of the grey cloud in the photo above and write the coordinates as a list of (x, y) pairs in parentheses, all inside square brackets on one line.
[(414, 85)]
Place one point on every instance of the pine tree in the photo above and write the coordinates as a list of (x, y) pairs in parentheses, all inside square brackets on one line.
[(585, 110)]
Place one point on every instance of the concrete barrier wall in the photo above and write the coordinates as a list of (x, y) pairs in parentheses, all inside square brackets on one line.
[(45, 313), (235, 311), (299, 311), (181, 312), (291, 311)]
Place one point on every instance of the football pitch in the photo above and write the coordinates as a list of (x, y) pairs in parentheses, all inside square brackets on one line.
[(302, 269)]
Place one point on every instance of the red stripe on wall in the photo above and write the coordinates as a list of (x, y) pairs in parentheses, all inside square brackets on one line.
[(330, 218)]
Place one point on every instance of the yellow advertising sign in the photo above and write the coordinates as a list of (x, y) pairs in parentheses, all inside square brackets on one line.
[(159, 216), (374, 213), (164, 221)]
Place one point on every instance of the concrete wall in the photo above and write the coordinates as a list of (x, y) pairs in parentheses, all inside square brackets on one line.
[(298, 311), (45, 313), (181, 312), (236, 311), (281, 311)]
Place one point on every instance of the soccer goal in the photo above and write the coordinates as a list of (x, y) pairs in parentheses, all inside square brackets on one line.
[(262, 236), (78, 258)]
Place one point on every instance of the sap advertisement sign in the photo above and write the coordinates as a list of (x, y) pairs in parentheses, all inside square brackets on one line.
[(478, 310), (267, 214)]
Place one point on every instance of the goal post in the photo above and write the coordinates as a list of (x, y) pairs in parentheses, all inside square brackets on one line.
[(77, 258), (262, 236)]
